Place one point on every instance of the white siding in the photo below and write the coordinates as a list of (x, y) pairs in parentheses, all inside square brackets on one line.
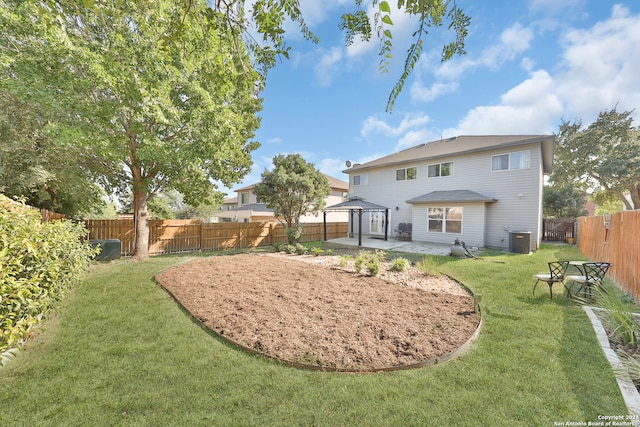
[(473, 224), (519, 195)]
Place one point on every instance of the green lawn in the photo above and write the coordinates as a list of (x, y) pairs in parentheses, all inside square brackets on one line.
[(121, 351)]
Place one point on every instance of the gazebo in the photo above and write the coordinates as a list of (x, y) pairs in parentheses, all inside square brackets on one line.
[(359, 205)]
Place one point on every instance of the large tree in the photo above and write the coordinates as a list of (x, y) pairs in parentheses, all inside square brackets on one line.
[(292, 189), (604, 156), (563, 202), (162, 99), (263, 24)]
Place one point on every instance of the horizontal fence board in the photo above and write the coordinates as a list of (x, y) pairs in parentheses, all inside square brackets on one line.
[(173, 236)]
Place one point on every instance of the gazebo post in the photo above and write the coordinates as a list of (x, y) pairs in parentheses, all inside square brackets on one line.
[(386, 224), (359, 227), (324, 220), (351, 212)]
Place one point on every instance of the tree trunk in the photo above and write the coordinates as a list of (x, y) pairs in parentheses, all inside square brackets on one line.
[(635, 196), (141, 221)]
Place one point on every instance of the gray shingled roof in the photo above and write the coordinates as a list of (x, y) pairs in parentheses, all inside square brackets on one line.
[(334, 183), (356, 203), (462, 145), (455, 196), (255, 207)]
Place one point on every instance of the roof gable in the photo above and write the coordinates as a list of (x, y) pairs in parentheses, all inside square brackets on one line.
[(463, 144)]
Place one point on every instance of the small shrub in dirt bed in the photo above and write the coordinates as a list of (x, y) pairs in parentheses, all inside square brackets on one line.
[(399, 264), (317, 251), (371, 260), (344, 260), (373, 265)]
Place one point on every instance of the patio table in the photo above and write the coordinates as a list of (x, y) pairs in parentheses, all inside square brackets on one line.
[(579, 265), (590, 274)]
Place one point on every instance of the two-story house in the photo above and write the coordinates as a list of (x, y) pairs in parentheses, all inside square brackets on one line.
[(478, 189), (249, 209)]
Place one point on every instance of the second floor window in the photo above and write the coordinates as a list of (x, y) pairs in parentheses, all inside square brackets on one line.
[(361, 179), (440, 169), (406, 174), (244, 198), (511, 161)]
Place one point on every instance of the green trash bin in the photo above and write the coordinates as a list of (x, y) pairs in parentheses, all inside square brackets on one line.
[(109, 249)]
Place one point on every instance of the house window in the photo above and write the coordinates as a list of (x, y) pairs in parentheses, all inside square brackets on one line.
[(440, 169), (406, 174), (511, 161), (445, 220), (244, 198), (361, 179)]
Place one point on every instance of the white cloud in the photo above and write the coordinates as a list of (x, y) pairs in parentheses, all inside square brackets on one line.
[(374, 124), (552, 7), (316, 12), (276, 140), (328, 65), (527, 64), (332, 167), (337, 56), (601, 66), (513, 41), (415, 137), (422, 93), (598, 71), (529, 108)]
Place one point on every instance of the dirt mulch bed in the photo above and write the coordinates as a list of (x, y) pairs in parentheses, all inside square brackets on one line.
[(307, 310)]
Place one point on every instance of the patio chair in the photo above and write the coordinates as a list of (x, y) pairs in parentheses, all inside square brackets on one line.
[(557, 269), (594, 273)]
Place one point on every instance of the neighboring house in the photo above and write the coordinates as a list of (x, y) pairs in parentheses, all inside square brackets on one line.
[(478, 189), (229, 203), (249, 209)]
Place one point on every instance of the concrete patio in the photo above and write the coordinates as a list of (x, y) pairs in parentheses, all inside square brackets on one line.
[(390, 245)]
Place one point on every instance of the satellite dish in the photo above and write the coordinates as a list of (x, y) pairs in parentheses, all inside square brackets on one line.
[(348, 163)]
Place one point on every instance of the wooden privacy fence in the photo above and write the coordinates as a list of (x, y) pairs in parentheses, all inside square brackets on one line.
[(614, 238), (171, 236)]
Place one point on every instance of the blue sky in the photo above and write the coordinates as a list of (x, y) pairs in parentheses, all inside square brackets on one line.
[(529, 65)]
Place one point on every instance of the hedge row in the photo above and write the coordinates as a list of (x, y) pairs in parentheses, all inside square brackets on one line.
[(38, 262)]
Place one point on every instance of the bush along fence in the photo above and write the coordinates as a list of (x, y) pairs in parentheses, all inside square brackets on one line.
[(39, 261), (172, 236), (614, 238)]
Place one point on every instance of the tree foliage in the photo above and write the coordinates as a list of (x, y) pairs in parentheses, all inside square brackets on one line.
[(263, 25), (161, 98), (292, 189), (606, 203), (33, 167), (563, 202), (269, 18), (604, 156)]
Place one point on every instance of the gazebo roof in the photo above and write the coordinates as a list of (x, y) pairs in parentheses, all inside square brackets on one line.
[(356, 203)]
